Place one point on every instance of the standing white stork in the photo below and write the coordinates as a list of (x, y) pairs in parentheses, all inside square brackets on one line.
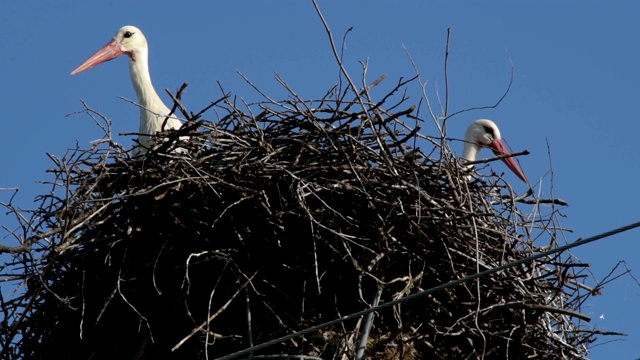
[(129, 40), (485, 133)]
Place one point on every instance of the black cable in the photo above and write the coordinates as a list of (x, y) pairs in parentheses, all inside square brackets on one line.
[(452, 283)]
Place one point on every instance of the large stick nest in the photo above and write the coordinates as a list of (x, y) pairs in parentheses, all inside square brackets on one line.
[(278, 216)]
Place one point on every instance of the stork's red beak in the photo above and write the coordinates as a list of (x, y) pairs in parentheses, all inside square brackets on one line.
[(106, 53), (499, 149)]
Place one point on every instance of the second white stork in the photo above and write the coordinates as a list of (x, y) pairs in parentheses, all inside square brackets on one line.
[(130, 41), (485, 133)]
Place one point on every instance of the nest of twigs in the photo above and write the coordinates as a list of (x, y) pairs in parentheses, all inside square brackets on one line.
[(273, 218)]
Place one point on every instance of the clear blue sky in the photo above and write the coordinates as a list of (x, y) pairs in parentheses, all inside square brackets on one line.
[(576, 90)]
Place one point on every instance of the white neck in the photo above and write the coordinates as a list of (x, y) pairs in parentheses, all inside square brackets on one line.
[(470, 151), (141, 80)]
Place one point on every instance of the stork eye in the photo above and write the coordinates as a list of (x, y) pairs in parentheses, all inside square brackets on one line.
[(489, 130), (127, 34)]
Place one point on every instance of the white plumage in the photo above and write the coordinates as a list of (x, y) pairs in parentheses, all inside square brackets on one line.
[(130, 41), (485, 133)]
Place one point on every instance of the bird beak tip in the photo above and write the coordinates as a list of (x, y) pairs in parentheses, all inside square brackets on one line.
[(499, 149), (108, 52)]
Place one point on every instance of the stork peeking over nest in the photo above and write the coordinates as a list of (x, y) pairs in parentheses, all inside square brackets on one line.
[(485, 133), (129, 40)]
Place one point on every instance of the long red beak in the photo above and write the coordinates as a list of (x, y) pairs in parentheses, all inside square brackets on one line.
[(106, 53), (499, 149)]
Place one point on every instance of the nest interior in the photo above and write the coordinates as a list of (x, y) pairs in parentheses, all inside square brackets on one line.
[(278, 216)]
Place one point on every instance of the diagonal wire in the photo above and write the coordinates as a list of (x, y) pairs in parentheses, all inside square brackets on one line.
[(452, 283)]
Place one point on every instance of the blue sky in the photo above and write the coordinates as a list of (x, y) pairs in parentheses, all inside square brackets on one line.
[(575, 90)]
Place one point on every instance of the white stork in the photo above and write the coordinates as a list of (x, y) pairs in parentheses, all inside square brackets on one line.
[(485, 133), (129, 40)]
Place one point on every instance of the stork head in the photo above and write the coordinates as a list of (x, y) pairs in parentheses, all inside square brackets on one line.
[(485, 133), (128, 40)]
